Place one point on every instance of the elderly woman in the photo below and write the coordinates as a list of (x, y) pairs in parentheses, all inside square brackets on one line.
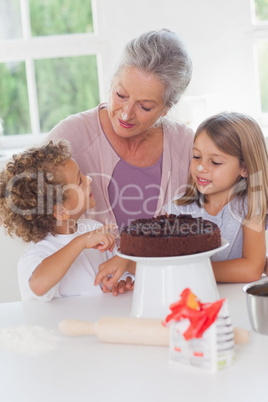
[(140, 158)]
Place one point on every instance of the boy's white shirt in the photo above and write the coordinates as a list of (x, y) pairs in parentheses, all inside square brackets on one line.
[(78, 280)]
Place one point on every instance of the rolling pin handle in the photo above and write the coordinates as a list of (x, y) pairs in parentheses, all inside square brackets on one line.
[(77, 327)]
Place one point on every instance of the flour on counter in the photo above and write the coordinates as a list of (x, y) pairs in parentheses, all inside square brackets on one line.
[(30, 340)]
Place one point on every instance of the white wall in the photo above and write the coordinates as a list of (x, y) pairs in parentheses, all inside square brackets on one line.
[(11, 250), (218, 36)]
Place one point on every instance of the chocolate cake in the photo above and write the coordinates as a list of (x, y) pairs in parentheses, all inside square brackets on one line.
[(167, 236)]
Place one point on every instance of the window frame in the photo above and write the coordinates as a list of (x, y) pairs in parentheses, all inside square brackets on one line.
[(27, 49), (259, 33)]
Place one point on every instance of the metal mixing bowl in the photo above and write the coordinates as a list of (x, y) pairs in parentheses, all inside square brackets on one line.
[(257, 304)]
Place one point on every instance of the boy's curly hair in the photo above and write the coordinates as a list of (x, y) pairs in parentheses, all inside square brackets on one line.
[(29, 189)]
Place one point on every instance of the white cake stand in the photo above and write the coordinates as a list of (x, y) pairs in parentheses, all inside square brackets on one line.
[(160, 281)]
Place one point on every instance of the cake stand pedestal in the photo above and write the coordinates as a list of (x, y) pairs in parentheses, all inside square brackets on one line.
[(159, 281)]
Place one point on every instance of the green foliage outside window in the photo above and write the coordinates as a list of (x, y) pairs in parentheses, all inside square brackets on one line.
[(263, 69), (261, 13), (261, 10), (64, 85), (50, 17), (14, 109)]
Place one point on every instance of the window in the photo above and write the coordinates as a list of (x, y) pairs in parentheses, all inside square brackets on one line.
[(260, 23), (49, 65)]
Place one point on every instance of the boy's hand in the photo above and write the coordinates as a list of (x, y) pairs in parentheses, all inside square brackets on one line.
[(102, 238)]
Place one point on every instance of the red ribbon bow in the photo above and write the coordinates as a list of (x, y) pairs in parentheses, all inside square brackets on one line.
[(200, 315)]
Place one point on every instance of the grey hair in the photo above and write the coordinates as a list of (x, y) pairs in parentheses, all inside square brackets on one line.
[(161, 53)]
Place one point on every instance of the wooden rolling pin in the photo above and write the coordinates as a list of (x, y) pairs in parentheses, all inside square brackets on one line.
[(137, 331)]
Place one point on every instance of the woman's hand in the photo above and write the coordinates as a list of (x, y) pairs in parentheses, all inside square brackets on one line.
[(120, 287), (111, 271)]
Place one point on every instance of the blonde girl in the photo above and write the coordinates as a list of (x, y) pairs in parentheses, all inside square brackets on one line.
[(228, 184)]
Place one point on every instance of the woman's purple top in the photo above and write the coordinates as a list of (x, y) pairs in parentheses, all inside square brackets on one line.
[(134, 191)]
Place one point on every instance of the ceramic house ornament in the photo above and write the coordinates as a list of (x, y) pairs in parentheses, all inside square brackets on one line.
[(201, 334)]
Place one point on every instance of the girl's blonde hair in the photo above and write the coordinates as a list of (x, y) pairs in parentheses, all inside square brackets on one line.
[(29, 189), (238, 135)]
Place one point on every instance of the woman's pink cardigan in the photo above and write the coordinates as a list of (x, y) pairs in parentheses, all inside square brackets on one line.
[(96, 158)]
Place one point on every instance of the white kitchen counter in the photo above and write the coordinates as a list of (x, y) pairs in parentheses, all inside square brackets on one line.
[(83, 369)]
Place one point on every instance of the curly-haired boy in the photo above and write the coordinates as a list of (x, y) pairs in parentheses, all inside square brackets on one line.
[(42, 196)]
